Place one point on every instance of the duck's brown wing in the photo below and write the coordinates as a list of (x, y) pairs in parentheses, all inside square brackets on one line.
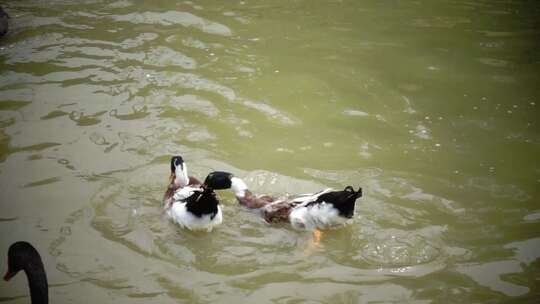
[(278, 211), (193, 181), (168, 196)]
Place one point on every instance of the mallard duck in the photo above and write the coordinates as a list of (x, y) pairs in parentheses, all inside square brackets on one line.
[(23, 256), (189, 203), (324, 209)]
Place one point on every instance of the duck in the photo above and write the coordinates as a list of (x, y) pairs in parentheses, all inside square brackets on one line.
[(327, 208), (188, 202), (23, 256), (3, 22)]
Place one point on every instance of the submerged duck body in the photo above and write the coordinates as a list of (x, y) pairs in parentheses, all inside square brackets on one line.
[(189, 203)]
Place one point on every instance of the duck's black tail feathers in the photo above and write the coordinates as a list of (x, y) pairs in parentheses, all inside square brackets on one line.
[(344, 201), (357, 193), (203, 202)]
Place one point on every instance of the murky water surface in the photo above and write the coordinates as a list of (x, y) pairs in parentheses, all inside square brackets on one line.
[(431, 106)]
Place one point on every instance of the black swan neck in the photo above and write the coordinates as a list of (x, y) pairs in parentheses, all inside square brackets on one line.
[(37, 282)]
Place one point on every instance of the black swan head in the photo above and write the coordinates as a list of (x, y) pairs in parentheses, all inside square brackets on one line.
[(23, 256)]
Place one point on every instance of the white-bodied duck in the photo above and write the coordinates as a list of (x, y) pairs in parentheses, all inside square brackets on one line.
[(324, 209), (190, 203)]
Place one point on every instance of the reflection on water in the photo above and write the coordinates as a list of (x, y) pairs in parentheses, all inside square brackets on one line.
[(430, 107)]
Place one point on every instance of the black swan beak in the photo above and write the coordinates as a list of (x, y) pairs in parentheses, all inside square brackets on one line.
[(8, 275)]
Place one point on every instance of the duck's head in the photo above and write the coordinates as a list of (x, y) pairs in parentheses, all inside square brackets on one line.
[(224, 180), (218, 180), (179, 176), (344, 201), (21, 256)]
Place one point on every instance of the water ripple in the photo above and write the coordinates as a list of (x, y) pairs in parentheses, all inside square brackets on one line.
[(175, 17)]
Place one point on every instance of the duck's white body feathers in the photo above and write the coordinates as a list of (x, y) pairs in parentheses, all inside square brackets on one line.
[(310, 215), (180, 214), (307, 213), (321, 215)]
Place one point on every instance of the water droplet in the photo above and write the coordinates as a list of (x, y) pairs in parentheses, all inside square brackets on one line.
[(276, 71), (456, 171), (475, 108), (427, 117), (509, 111), (515, 106), (533, 103), (437, 145)]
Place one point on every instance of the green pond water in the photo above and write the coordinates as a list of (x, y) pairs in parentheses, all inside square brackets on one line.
[(432, 107)]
